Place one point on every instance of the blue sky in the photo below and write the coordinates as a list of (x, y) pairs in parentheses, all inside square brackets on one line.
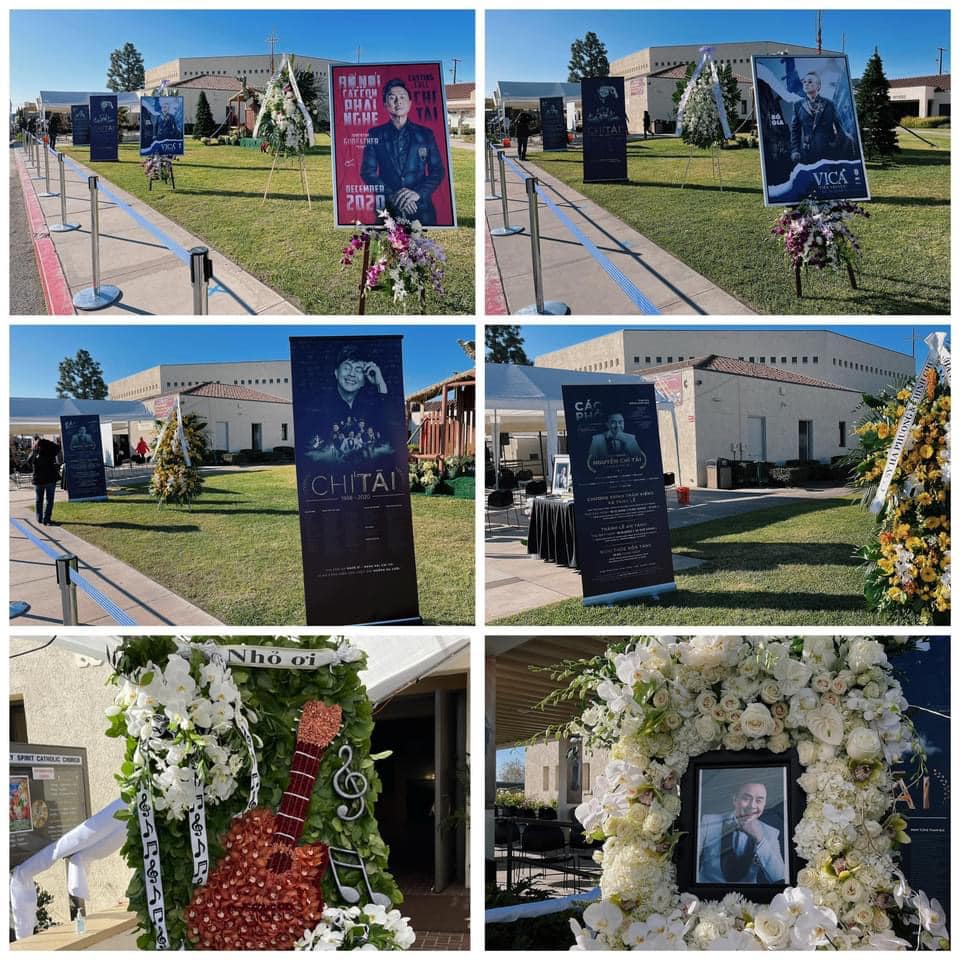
[(541, 339), (70, 49), (535, 45), (429, 352)]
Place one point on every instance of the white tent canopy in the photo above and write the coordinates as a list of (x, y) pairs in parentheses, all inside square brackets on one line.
[(38, 414), (65, 99), (524, 391)]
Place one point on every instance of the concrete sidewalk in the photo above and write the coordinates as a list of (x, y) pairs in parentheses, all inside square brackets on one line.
[(516, 581), (573, 276), (33, 578), (153, 279)]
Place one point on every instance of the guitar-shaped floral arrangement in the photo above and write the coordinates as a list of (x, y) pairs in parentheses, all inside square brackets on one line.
[(266, 890)]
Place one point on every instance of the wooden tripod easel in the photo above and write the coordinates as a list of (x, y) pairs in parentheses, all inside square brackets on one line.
[(303, 177)]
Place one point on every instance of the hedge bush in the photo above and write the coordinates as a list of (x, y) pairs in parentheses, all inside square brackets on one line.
[(922, 122)]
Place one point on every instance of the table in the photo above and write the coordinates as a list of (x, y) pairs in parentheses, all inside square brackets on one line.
[(552, 535)]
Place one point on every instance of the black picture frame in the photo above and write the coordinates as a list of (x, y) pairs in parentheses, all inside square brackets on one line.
[(685, 853)]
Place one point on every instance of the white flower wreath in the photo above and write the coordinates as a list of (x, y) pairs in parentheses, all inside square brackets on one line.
[(662, 701)]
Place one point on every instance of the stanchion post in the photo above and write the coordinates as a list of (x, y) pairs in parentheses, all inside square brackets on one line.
[(548, 307), (63, 226), (47, 192), (95, 297), (506, 230), (201, 270), (68, 589), (491, 175)]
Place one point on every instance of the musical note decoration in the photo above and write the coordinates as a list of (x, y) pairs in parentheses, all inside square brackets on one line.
[(349, 784), (351, 860)]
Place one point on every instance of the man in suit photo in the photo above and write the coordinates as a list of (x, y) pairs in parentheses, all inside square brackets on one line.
[(738, 847), (614, 442), (402, 158)]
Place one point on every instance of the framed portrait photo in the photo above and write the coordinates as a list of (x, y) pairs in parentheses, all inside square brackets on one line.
[(562, 480), (739, 811)]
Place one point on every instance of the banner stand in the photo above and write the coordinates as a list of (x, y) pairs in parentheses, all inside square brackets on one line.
[(619, 596)]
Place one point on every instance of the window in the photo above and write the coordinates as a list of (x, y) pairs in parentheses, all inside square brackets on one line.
[(793, 359), (763, 359), (680, 359), (843, 433), (586, 778), (816, 359), (659, 359), (753, 359), (783, 359), (283, 426), (635, 359), (646, 359), (804, 359), (546, 778), (669, 359)]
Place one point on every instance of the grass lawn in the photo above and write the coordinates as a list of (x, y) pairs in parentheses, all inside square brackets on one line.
[(291, 248), (725, 235), (236, 553), (786, 565)]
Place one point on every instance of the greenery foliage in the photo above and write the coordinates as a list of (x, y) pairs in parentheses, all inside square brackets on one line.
[(125, 72), (505, 344), (588, 58), (173, 481), (81, 378), (275, 696), (875, 113), (203, 123)]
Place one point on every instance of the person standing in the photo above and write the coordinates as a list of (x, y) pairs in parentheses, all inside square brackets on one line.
[(45, 459), (141, 450), (523, 135), (53, 129), (646, 124)]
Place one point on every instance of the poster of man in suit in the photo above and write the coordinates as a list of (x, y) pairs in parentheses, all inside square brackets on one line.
[(390, 144)]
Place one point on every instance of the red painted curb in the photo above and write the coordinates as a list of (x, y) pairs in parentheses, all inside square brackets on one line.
[(495, 301), (56, 292)]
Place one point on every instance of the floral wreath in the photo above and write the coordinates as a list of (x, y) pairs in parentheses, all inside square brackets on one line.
[(657, 702)]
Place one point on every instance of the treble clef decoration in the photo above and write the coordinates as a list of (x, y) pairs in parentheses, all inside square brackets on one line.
[(349, 784)]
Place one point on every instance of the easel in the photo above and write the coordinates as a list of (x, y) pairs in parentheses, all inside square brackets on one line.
[(303, 176), (362, 286), (715, 161), (796, 277)]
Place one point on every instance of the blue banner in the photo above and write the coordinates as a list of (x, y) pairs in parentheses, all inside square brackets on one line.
[(604, 129), (810, 144), (553, 123), (83, 470), (620, 504), (103, 127), (80, 124), (356, 524), (923, 796), (161, 126)]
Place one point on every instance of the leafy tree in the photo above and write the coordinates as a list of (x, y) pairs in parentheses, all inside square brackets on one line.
[(878, 120), (588, 58), (203, 124), (126, 69), (505, 345), (81, 378), (511, 772)]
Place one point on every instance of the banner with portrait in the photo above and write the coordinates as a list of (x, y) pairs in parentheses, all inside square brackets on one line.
[(80, 125), (604, 129), (83, 458), (161, 126), (553, 123), (810, 146), (104, 127), (390, 144), (620, 505), (356, 525)]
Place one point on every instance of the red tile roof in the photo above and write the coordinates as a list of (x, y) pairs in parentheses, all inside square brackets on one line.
[(743, 368), (228, 391), (460, 91), (931, 80), (208, 81)]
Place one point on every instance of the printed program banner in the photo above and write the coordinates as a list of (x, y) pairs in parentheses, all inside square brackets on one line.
[(83, 458), (553, 123), (356, 525), (620, 504), (103, 127), (390, 144), (161, 126), (810, 145), (604, 129), (80, 124)]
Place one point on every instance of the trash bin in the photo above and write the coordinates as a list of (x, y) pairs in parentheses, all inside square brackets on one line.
[(724, 476), (683, 496), (658, 126), (712, 477)]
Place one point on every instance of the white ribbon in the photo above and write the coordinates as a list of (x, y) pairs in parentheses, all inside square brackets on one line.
[(287, 658), (152, 877), (197, 820), (937, 355), (705, 59), (181, 436), (278, 79)]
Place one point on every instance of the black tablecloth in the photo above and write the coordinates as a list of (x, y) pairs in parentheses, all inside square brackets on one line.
[(552, 535)]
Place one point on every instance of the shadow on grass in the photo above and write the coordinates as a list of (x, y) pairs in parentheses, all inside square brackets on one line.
[(912, 201), (762, 600), (255, 195), (767, 555), (125, 525)]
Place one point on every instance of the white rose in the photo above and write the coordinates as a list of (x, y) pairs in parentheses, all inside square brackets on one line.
[(826, 724), (779, 742), (706, 702), (772, 929), (707, 728), (673, 721), (735, 741), (851, 890), (838, 685), (863, 744), (729, 702), (661, 698), (831, 698), (821, 683), (863, 654), (770, 691), (655, 823), (807, 752), (756, 721), (749, 668), (863, 916)]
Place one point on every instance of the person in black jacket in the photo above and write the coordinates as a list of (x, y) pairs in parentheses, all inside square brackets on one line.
[(523, 135), (45, 460)]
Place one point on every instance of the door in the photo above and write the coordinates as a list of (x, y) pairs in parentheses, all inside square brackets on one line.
[(221, 431), (256, 436), (756, 438), (806, 440)]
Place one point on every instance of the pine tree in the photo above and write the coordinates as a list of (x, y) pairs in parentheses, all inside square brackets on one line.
[(125, 72), (588, 58), (505, 345), (81, 378), (877, 118), (173, 481), (203, 124)]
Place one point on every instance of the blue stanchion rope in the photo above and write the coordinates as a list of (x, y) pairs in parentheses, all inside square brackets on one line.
[(614, 272)]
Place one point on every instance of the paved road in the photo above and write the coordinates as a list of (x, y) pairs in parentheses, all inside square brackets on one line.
[(26, 297)]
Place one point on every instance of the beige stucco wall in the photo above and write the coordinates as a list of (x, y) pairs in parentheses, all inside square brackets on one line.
[(239, 415), (267, 376), (930, 99), (256, 68), (547, 755), (64, 698)]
